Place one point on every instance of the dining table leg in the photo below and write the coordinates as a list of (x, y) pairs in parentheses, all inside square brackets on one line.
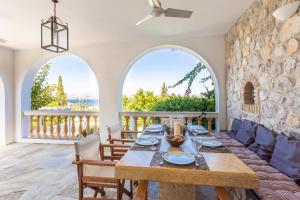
[(223, 194), (172, 191)]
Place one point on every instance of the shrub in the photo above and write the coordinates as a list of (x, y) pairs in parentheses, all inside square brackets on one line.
[(184, 104)]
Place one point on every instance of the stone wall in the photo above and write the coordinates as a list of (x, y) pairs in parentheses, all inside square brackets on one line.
[(259, 46)]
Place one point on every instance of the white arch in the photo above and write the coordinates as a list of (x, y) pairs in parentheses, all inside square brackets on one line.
[(27, 84), (169, 46), (2, 114)]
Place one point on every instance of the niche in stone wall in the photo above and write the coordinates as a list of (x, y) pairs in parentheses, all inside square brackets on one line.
[(250, 92)]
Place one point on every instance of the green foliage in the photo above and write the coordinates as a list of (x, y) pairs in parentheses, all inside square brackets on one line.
[(164, 91), (185, 104), (42, 94), (190, 77), (41, 91), (84, 132), (60, 96), (141, 101)]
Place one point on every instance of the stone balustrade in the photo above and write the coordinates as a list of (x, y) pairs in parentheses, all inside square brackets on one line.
[(131, 119), (66, 125)]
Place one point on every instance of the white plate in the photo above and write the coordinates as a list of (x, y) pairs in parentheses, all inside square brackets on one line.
[(212, 143), (147, 141), (153, 130), (179, 158), (202, 131)]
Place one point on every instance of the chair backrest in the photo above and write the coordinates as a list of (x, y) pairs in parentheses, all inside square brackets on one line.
[(114, 130), (88, 148)]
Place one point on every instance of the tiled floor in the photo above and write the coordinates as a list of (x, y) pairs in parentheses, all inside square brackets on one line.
[(45, 172), (38, 172)]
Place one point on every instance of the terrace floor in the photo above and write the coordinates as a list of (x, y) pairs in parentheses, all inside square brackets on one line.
[(45, 172)]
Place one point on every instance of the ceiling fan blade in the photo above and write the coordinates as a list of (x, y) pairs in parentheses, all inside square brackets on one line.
[(171, 12), (287, 11), (148, 17), (154, 3)]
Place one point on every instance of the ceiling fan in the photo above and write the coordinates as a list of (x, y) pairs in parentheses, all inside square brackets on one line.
[(285, 12), (158, 11)]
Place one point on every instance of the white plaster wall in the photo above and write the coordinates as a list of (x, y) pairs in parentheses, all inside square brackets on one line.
[(111, 62), (7, 90)]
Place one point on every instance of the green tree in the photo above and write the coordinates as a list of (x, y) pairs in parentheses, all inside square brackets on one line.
[(60, 96), (164, 91), (125, 103), (41, 91), (190, 77), (142, 100)]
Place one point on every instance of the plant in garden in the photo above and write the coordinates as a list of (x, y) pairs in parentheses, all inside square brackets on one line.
[(41, 91), (185, 104), (190, 77)]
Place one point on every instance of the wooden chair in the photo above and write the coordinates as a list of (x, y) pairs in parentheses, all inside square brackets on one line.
[(117, 151), (94, 172)]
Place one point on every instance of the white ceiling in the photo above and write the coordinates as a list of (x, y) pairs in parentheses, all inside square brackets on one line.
[(105, 21)]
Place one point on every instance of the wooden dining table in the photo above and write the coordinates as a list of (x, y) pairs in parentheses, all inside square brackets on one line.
[(224, 170)]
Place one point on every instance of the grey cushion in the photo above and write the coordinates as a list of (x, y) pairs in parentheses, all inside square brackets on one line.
[(264, 142), (246, 132), (286, 156)]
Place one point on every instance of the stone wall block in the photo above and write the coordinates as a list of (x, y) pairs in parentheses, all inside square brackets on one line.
[(265, 51)]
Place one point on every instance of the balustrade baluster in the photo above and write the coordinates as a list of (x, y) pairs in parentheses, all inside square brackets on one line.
[(200, 120), (44, 126), (209, 125), (135, 123), (66, 127), (51, 127), (38, 127), (80, 127), (127, 123), (30, 127), (152, 119), (88, 130), (144, 122), (95, 124), (73, 129), (58, 127)]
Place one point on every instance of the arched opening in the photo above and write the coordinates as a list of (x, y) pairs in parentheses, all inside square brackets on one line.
[(159, 79), (2, 114), (60, 99), (249, 94)]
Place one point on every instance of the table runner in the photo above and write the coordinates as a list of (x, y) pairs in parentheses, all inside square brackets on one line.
[(158, 157), (194, 134), (137, 147), (221, 149)]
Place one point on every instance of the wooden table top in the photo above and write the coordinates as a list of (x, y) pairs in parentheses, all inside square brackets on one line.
[(225, 169)]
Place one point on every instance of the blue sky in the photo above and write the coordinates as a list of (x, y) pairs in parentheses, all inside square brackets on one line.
[(149, 73), (165, 65), (78, 79)]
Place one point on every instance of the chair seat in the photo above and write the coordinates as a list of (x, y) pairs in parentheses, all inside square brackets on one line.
[(99, 171)]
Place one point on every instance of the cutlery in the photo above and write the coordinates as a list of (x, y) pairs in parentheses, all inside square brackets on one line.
[(161, 162), (196, 162)]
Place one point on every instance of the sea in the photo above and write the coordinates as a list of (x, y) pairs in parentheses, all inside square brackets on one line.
[(92, 102)]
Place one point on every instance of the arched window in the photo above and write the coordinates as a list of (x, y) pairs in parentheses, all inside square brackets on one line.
[(249, 97), (169, 79), (2, 114), (60, 100)]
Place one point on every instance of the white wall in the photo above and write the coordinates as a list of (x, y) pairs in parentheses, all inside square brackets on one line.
[(7, 96), (111, 62)]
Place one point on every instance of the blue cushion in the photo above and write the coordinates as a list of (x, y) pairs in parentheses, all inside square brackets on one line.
[(246, 132), (264, 142), (286, 156), (236, 124)]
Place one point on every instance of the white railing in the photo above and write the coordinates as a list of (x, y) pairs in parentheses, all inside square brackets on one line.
[(132, 118), (54, 124)]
